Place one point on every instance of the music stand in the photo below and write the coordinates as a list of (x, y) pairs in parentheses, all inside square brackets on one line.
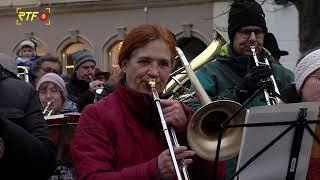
[(300, 125), (267, 151)]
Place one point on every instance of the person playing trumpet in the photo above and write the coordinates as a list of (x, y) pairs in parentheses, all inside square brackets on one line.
[(120, 136), (233, 75), (53, 95), (53, 98), (82, 86)]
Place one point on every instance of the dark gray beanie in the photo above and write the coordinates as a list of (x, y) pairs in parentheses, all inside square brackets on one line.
[(81, 57)]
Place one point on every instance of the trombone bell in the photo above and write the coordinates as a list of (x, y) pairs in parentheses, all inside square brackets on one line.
[(203, 130)]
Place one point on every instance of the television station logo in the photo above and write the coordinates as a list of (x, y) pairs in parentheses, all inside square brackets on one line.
[(27, 15)]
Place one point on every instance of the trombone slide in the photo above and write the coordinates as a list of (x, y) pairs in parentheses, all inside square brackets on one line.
[(152, 83)]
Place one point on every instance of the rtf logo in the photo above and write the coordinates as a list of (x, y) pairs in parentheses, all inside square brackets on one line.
[(29, 16)]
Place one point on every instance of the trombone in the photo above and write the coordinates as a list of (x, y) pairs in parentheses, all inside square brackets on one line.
[(170, 142), (203, 129)]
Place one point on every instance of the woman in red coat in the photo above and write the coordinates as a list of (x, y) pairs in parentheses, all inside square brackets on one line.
[(120, 137)]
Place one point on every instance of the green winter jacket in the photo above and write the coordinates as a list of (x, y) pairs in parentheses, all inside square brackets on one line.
[(221, 77)]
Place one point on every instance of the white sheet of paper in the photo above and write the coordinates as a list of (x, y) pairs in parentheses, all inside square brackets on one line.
[(273, 164)]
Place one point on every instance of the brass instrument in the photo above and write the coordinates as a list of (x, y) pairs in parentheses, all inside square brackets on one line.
[(98, 91), (270, 99), (23, 73), (180, 77), (46, 111), (202, 133), (170, 142)]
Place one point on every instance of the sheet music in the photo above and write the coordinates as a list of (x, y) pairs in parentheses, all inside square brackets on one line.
[(58, 116), (273, 164)]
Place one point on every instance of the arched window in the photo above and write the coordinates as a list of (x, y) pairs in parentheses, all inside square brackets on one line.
[(70, 45), (191, 47), (111, 50), (113, 54)]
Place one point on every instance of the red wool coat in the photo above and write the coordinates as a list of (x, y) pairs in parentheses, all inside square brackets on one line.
[(120, 138)]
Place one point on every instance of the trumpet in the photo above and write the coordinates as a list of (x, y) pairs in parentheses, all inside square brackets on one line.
[(23, 73), (270, 99), (46, 111), (170, 142), (98, 91)]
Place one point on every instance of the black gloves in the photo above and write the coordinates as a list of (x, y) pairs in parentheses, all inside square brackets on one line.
[(252, 81), (254, 78)]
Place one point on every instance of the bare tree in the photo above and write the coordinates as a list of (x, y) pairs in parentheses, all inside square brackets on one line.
[(309, 24)]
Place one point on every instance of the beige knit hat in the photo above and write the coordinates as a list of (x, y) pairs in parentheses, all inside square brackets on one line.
[(306, 66), (56, 79)]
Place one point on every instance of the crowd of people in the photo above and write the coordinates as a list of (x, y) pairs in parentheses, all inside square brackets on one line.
[(119, 134)]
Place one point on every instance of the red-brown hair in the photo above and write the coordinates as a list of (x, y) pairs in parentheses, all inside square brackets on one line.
[(142, 35)]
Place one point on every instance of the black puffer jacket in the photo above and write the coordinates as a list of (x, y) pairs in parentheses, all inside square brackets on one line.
[(29, 153), (289, 94), (78, 92)]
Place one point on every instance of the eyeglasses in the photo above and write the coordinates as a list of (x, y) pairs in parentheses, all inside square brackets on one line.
[(245, 33), (53, 92), (49, 70)]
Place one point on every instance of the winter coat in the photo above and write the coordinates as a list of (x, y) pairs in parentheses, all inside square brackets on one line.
[(26, 62), (120, 137), (29, 153), (221, 78), (78, 92), (68, 106), (290, 95)]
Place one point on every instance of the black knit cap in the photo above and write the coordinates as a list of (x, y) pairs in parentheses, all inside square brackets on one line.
[(245, 13)]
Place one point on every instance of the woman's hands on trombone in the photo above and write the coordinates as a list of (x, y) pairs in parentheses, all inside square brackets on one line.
[(174, 114), (165, 164)]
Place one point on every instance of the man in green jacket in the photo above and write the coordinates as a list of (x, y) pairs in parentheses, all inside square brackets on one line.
[(233, 75)]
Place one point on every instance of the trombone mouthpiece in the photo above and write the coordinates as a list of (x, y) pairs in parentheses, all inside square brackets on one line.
[(152, 82)]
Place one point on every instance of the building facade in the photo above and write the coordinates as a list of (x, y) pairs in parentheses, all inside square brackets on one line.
[(101, 26)]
